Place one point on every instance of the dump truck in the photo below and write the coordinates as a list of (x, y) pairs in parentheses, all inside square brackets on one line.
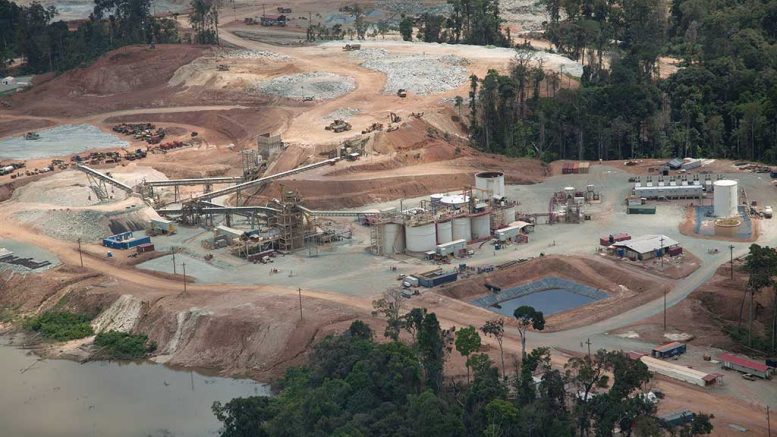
[(338, 126), (222, 67), (402, 92), (352, 47)]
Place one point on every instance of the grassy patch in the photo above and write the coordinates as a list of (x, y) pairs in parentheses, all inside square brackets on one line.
[(60, 325), (123, 346)]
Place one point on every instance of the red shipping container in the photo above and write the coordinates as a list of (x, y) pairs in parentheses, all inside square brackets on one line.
[(674, 251)]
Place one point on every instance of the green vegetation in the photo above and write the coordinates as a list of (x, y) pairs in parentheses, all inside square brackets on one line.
[(759, 335), (721, 103), (354, 386), (31, 33), (59, 325), (123, 345)]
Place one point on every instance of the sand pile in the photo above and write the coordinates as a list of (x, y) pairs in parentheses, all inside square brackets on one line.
[(255, 54), (418, 74), (319, 85)]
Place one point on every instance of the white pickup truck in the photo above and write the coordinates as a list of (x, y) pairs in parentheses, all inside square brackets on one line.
[(767, 212)]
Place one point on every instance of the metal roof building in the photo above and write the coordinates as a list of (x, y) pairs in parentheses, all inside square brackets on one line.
[(731, 361), (646, 246)]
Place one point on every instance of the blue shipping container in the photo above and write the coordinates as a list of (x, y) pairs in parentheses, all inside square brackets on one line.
[(437, 280)]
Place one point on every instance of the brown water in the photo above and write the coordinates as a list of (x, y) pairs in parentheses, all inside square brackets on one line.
[(65, 398)]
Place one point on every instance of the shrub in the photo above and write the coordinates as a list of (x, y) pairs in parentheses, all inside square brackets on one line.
[(123, 345), (60, 325)]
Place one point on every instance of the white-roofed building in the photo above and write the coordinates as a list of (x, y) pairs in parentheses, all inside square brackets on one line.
[(646, 247)]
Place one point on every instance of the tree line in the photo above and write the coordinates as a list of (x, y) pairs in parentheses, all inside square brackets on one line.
[(722, 101), (470, 22), (354, 385), (760, 332)]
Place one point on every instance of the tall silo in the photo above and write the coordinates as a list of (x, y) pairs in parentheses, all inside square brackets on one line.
[(726, 198), (462, 228), (421, 238), (491, 181), (481, 226), (393, 238)]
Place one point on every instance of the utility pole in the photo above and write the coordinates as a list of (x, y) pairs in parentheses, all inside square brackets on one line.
[(664, 309), (588, 342), (184, 278), (80, 256), (662, 267), (768, 423), (731, 251), (172, 250), (300, 303)]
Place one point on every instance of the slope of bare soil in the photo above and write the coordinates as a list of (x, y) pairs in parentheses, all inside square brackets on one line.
[(625, 288)]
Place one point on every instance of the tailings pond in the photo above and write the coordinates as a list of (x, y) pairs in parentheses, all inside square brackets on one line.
[(65, 398), (550, 295), (59, 141)]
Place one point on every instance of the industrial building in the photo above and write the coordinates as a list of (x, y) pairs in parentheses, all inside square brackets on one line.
[(731, 361), (125, 240), (646, 247), (681, 373), (668, 350)]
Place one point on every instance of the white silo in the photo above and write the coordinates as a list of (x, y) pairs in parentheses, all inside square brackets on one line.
[(393, 238), (454, 200), (481, 226), (726, 198), (491, 181), (509, 215), (444, 232), (462, 228), (421, 238)]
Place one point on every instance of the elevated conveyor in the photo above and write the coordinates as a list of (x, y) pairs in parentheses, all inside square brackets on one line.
[(99, 180)]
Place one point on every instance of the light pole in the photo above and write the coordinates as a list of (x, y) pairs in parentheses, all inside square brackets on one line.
[(184, 278), (662, 252), (80, 255), (731, 251), (300, 303), (172, 250)]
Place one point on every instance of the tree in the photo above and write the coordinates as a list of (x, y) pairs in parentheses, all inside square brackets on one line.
[(431, 351), (360, 330), (390, 306), (243, 417), (467, 341), (458, 101), (358, 21), (406, 28), (527, 318), (205, 21), (496, 328)]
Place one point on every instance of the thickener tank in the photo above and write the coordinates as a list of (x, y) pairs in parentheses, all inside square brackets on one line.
[(444, 232), (726, 198), (481, 226), (462, 228), (421, 238), (393, 238), (491, 181)]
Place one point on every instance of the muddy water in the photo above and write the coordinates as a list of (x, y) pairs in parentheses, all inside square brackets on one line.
[(65, 398)]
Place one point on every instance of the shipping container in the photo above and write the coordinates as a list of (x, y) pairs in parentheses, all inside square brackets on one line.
[(674, 251), (163, 226), (146, 247), (641, 209), (668, 350), (731, 361), (436, 277), (676, 419)]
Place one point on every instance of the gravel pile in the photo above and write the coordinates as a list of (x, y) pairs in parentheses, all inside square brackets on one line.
[(87, 224), (319, 85), (341, 114), (418, 74), (255, 54)]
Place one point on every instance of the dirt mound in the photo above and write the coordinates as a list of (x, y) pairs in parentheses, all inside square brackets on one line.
[(126, 77)]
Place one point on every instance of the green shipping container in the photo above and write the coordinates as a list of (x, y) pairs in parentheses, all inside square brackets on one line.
[(641, 209)]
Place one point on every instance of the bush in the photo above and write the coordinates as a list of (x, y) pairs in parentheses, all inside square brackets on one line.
[(123, 346), (60, 325)]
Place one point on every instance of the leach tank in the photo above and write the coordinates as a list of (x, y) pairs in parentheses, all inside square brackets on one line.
[(444, 232), (509, 215), (421, 238), (462, 228), (393, 239), (726, 198), (492, 182), (481, 226)]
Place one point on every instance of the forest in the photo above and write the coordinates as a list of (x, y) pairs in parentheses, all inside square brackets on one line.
[(354, 385), (721, 102)]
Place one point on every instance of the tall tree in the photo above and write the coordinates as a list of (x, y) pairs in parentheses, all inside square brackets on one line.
[(527, 318), (496, 328), (467, 342)]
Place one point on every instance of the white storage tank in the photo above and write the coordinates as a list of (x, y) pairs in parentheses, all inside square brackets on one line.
[(491, 181), (462, 228), (421, 238), (726, 198), (435, 199), (509, 215), (481, 226), (454, 200), (570, 191), (444, 232), (393, 238)]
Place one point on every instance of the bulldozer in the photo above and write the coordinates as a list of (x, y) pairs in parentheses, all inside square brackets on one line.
[(338, 126), (402, 92), (373, 127)]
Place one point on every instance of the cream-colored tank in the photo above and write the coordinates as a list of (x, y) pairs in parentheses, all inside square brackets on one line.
[(421, 238), (492, 182), (726, 198), (393, 238), (444, 232), (509, 215), (462, 228), (481, 226)]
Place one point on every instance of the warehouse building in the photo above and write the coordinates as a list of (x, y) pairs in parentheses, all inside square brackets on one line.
[(125, 240), (647, 247), (681, 373), (650, 191), (731, 361)]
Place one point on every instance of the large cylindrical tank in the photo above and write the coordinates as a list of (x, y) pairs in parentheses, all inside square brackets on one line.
[(421, 238), (509, 215), (491, 181), (435, 199), (393, 239), (726, 198), (462, 228), (454, 200), (444, 232), (481, 226)]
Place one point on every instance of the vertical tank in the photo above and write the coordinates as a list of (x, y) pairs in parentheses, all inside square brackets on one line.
[(726, 198), (393, 239), (481, 226), (509, 215), (435, 200), (421, 238), (491, 181), (444, 232), (462, 228)]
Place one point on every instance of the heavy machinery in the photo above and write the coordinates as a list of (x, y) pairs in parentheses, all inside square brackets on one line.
[(352, 47), (402, 92), (222, 67), (338, 126), (373, 127), (394, 118)]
